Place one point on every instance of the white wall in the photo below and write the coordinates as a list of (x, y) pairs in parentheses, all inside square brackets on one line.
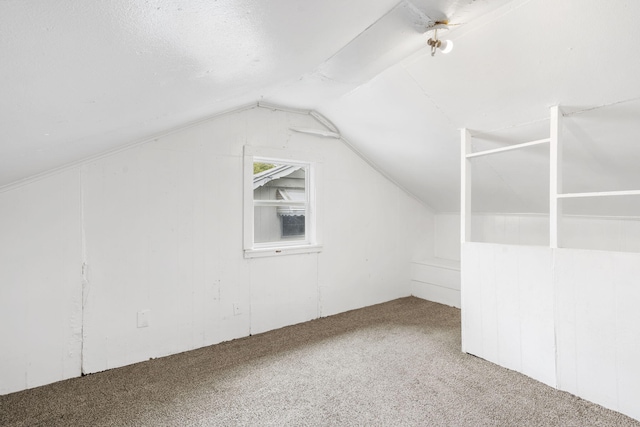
[(162, 228), (447, 236), (40, 283), (620, 234), (490, 228), (437, 280)]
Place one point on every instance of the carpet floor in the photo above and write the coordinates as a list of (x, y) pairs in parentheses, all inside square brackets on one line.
[(392, 364)]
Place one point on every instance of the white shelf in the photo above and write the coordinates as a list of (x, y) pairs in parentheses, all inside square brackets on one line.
[(599, 194), (509, 148)]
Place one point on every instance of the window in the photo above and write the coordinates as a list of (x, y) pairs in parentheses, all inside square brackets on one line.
[(279, 207)]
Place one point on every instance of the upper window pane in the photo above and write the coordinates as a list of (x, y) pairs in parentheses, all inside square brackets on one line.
[(289, 178)]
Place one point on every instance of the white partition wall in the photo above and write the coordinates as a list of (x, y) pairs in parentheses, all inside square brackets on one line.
[(597, 327), (507, 302), (566, 317)]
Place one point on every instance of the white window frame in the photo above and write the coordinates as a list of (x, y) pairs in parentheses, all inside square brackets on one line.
[(310, 243)]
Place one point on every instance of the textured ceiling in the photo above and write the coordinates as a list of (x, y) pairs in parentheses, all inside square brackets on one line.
[(79, 78), (507, 68)]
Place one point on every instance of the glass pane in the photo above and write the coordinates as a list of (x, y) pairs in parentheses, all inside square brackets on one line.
[(261, 167), (292, 225), (278, 224), (279, 181)]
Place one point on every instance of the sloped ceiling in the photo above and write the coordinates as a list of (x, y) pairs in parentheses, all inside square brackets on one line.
[(78, 78)]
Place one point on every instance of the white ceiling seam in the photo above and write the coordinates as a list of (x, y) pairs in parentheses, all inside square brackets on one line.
[(393, 37), (431, 100), (461, 30), (491, 133), (325, 122), (316, 132), (568, 111), (331, 132), (278, 107), (384, 43)]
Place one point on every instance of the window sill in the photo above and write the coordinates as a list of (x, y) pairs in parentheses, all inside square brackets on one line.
[(282, 250)]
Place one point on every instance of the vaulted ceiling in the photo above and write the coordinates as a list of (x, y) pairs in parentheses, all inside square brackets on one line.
[(78, 78)]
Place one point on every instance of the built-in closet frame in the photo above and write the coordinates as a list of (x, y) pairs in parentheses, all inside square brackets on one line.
[(555, 177)]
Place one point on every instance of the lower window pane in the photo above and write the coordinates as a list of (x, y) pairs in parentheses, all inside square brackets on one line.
[(278, 224), (292, 225)]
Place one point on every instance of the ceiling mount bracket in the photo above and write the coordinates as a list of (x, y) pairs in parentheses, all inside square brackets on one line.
[(444, 45)]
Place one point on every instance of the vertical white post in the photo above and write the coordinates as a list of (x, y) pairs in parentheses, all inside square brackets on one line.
[(555, 178), (248, 208), (465, 186), (465, 226)]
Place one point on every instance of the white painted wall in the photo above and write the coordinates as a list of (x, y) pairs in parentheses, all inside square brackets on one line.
[(566, 317), (620, 234), (370, 234), (489, 228), (163, 232), (447, 236), (40, 283), (436, 279)]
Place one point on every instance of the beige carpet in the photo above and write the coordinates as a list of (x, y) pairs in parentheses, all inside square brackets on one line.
[(394, 364)]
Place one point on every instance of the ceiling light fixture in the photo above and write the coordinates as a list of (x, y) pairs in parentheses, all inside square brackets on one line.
[(445, 46)]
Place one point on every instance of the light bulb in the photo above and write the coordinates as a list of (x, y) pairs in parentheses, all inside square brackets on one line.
[(446, 46)]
